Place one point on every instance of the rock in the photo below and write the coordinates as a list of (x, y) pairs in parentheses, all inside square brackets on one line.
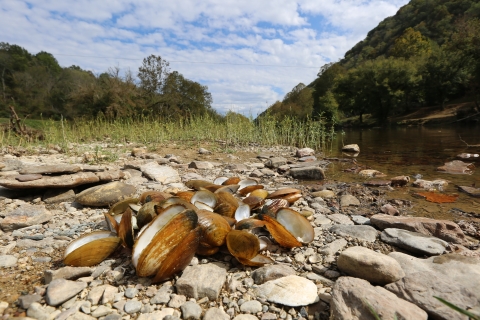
[(109, 294), (28, 177), (96, 294), (63, 181), (324, 194), (308, 173), (361, 232), (340, 218), (469, 156), (26, 300), (292, 291), (443, 229), (52, 168), (351, 295), (176, 300), (58, 195), (162, 174), (101, 311), (400, 181), (438, 184), (457, 166), (7, 261), (205, 280), (471, 191), (105, 194), (252, 306), (271, 272), (3, 304), (349, 200), (215, 314), (370, 173), (109, 175), (360, 219), (351, 148), (389, 209), (61, 290), (68, 273), (203, 151), (191, 310), (377, 183), (36, 311), (414, 242), (369, 265), (420, 288), (304, 152), (275, 162), (333, 247), (24, 216), (200, 165), (132, 306)]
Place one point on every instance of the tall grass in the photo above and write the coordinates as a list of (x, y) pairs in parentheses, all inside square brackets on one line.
[(266, 131)]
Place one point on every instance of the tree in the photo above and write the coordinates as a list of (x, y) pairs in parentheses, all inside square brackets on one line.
[(153, 73), (410, 44)]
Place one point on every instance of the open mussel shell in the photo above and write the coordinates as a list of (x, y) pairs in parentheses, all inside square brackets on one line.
[(175, 200), (252, 188), (121, 206), (206, 197), (156, 196), (220, 180), (231, 180), (90, 249), (280, 233), (246, 182), (179, 258), (112, 224), (186, 195), (226, 204), (296, 224), (273, 205), (202, 206), (242, 212), (284, 193), (258, 261), (254, 202), (249, 224), (125, 229), (231, 188), (160, 237), (242, 244), (215, 228), (198, 184), (146, 213)]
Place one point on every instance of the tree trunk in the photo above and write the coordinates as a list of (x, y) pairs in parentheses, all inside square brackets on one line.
[(3, 85)]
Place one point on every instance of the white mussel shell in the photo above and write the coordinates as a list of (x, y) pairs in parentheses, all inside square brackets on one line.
[(206, 197)]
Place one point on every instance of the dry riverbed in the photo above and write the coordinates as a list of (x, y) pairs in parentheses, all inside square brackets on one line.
[(368, 245)]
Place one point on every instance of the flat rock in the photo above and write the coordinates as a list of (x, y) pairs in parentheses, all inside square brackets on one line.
[(275, 162), (271, 272), (28, 177), (350, 295), (333, 247), (323, 194), (105, 194), (215, 314), (443, 229), (457, 167), (110, 175), (420, 289), (340, 218), (471, 191), (61, 290), (252, 306), (414, 242), (367, 233), (200, 165), (63, 181), (304, 152), (358, 219), (24, 216), (369, 265), (351, 148), (51, 168), (68, 273), (7, 261), (162, 174), (58, 195), (348, 200), (292, 291), (308, 173), (205, 280)]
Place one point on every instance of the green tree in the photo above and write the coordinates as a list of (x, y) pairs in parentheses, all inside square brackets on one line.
[(411, 44), (153, 73)]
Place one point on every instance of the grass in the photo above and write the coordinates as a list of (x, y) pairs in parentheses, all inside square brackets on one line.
[(188, 132)]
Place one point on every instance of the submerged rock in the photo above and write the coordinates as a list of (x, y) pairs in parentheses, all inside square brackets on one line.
[(351, 148), (457, 167)]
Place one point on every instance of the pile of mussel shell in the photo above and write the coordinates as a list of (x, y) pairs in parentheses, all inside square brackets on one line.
[(165, 231)]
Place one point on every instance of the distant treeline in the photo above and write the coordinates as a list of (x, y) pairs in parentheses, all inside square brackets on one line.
[(427, 54), (37, 86)]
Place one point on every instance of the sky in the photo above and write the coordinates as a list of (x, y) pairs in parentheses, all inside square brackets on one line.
[(249, 53)]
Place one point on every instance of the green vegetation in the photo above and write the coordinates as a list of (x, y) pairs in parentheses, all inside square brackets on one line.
[(427, 54)]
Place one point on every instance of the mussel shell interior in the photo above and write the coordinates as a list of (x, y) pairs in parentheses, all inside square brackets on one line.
[(90, 249)]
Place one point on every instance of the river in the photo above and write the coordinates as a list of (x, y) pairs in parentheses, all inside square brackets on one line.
[(412, 151)]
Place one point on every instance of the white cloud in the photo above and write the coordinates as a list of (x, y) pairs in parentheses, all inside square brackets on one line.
[(97, 35)]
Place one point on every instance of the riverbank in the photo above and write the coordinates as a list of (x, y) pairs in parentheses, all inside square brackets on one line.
[(361, 233)]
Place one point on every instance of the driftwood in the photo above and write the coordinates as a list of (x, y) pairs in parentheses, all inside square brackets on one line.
[(18, 127), (469, 145)]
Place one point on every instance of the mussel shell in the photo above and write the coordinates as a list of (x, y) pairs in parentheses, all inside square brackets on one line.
[(206, 197), (242, 244), (243, 212), (206, 250), (197, 184), (160, 237), (220, 180), (202, 206), (226, 204), (262, 193), (249, 224), (146, 213), (112, 224), (175, 200), (231, 180), (179, 258), (156, 196), (231, 188), (296, 224), (90, 249), (186, 195), (280, 233), (246, 182), (254, 202), (121, 206), (258, 261), (291, 198), (215, 228), (273, 205), (282, 193), (250, 189), (125, 229)]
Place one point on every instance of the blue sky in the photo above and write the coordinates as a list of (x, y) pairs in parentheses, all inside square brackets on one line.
[(242, 50)]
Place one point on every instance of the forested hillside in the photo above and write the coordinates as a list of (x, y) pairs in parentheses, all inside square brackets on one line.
[(427, 54), (37, 86)]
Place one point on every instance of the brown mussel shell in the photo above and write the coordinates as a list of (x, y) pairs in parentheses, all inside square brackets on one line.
[(215, 228), (90, 249), (282, 193), (231, 180), (226, 204), (121, 206), (125, 229), (273, 206), (198, 184), (254, 202), (242, 244), (186, 195), (206, 250), (146, 213), (249, 224), (279, 233), (156, 196), (250, 189), (258, 261), (296, 224), (112, 224)]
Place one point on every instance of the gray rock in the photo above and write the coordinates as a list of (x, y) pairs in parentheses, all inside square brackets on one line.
[(52, 168), (24, 216), (200, 165), (367, 233), (245, 317), (68, 273), (131, 293), (176, 300), (457, 167), (101, 311), (63, 181), (349, 200), (162, 174), (204, 151), (36, 311), (275, 162), (26, 300), (474, 192), (308, 173), (304, 152), (369, 265), (191, 310), (215, 314), (333, 247), (109, 294), (105, 194), (113, 316), (96, 294), (361, 220), (443, 229), (321, 220), (351, 148), (28, 177), (271, 272), (414, 242), (324, 194), (389, 209), (252, 306), (291, 291), (204, 280), (340, 218), (162, 314), (351, 295), (61, 290), (132, 306), (7, 261), (420, 289), (58, 195)]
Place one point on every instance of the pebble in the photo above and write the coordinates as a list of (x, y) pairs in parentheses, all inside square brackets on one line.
[(191, 310), (132, 306), (252, 306), (61, 290), (7, 261)]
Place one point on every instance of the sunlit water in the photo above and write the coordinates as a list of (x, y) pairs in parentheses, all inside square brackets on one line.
[(412, 151)]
